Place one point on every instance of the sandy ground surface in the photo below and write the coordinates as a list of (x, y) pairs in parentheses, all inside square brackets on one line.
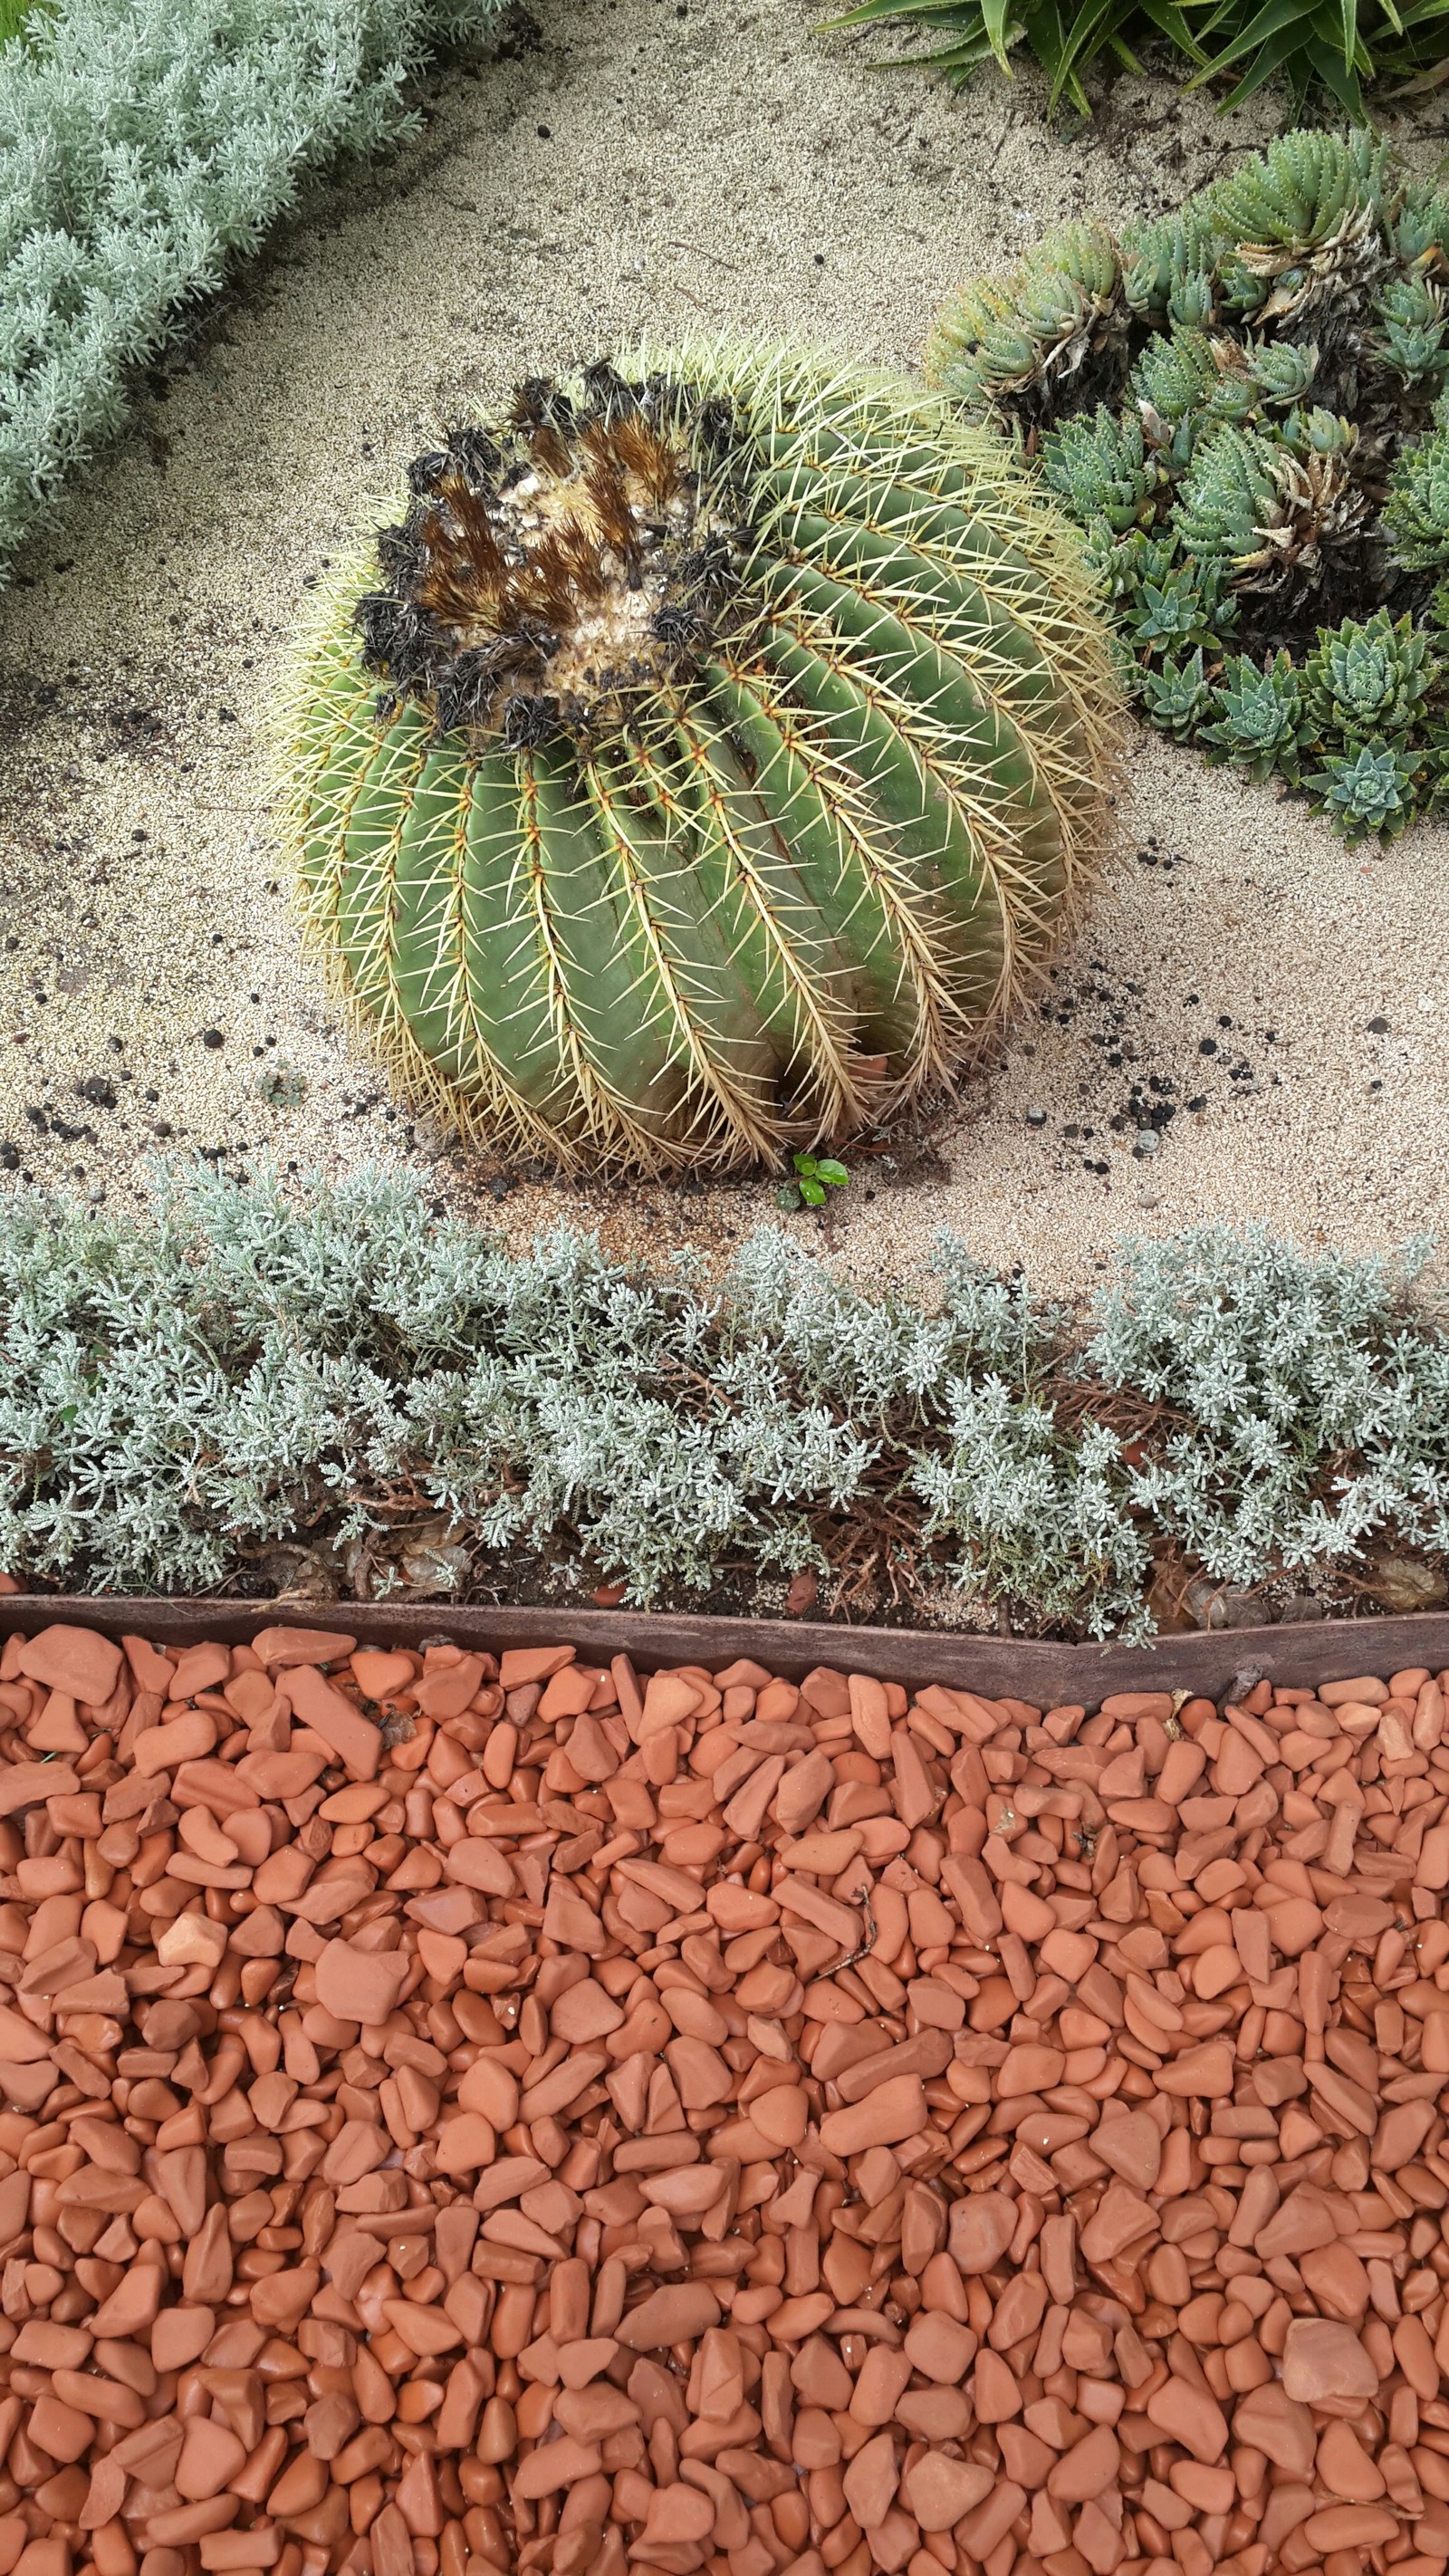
[(669, 166)]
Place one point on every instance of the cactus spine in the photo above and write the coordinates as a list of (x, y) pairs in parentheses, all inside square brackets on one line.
[(743, 736)]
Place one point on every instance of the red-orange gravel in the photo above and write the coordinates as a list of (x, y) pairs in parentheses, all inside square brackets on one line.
[(462, 2119)]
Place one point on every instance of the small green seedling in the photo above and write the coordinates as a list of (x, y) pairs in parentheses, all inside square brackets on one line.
[(281, 1086), (811, 1181)]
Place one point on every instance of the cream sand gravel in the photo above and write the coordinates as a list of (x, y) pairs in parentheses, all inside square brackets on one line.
[(669, 167)]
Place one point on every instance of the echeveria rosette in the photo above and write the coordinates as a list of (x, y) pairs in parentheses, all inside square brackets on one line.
[(1416, 513), (1177, 697), (1260, 724), (1172, 615)]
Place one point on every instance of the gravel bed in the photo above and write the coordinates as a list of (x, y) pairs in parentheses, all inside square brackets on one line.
[(468, 2114)]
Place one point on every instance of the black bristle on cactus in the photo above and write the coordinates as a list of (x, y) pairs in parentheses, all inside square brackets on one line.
[(1245, 405)]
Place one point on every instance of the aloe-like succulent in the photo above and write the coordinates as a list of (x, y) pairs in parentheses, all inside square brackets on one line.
[(1178, 697), (1268, 509), (701, 763), (1253, 444), (1301, 244), (1100, 467), (1260, 721), (1413, 316), (1281, 371), (1416, 513), (1173, 391), (1231, 503), (1309, 219), (1168, 269), (1433, 779), (1368, 792), (1123, 569), (1047, 336), (1421, 226), (1369, 679)]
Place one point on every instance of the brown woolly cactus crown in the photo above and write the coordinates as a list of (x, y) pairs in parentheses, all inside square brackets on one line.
[(549, 578)]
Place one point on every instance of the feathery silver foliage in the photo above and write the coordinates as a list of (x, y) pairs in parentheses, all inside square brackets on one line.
[(250, 1364), (142, 147)]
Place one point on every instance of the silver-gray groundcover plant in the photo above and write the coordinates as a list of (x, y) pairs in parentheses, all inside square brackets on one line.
[(173, 1393), (144, 143)]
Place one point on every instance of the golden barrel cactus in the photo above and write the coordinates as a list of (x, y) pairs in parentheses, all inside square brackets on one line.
[(702, 763)]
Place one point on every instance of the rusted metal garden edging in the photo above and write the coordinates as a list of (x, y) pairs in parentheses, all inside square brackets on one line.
[(1045, 1675)]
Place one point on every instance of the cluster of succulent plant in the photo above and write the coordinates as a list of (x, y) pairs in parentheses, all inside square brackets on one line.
[(703, 761), (1245, 406)]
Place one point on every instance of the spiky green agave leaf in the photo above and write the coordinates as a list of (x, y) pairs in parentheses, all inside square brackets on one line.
[(1067, 37), (745, 735)]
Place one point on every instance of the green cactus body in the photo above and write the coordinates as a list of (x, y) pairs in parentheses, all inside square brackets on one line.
[(744, 735)]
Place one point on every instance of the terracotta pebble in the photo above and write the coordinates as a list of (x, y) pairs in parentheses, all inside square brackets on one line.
[(352, 1737), (1324, 2358), (707, 2124), (357, 1985), (941, 2491), (77, 1661)]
